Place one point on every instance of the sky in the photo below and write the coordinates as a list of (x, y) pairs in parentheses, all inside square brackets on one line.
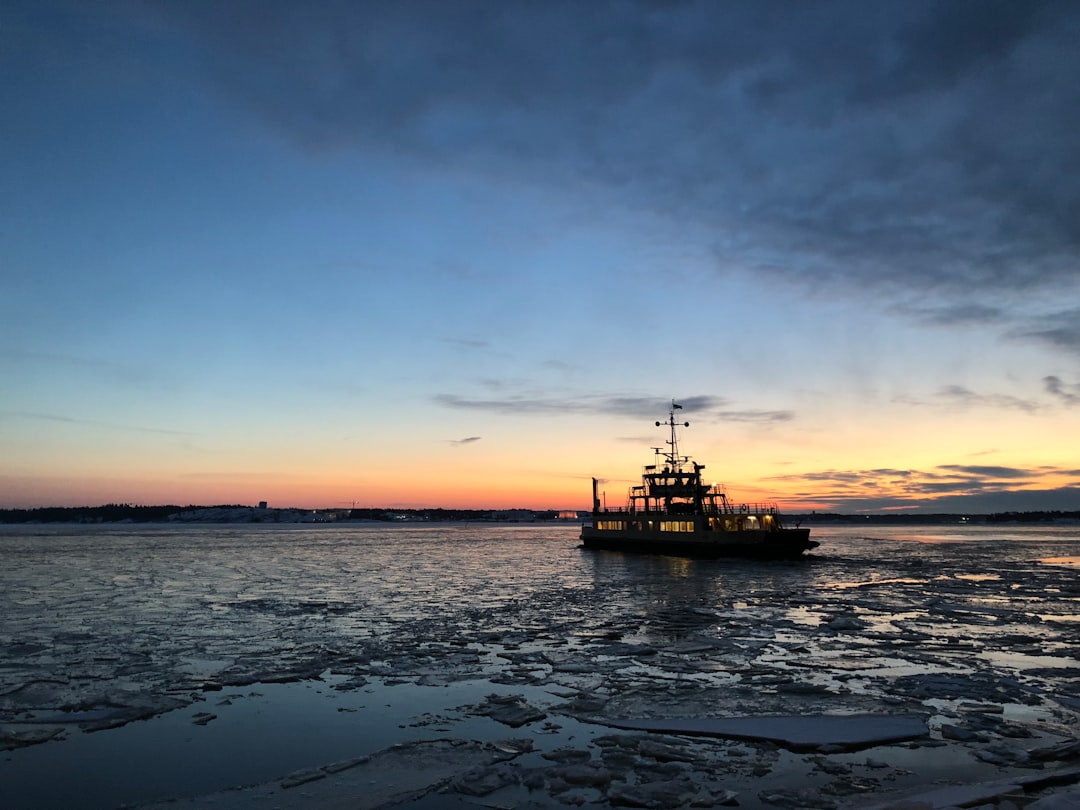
[(466, 254)]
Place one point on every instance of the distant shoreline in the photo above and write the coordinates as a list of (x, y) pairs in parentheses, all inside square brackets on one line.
[(235, 513)]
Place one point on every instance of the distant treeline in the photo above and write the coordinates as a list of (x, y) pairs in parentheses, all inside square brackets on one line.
[(121, 512), (933, 519), (109, 513), (126, 513), (1032, 517)]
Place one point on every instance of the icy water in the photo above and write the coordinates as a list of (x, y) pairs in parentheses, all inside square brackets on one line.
[(144, 663)]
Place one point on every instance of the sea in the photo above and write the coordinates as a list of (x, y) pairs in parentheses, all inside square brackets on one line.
[(154, 662)]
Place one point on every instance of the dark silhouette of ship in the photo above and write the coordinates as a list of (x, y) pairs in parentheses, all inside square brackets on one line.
[(673, 512)]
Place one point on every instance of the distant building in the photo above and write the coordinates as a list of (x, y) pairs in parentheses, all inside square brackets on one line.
[(262, 504)]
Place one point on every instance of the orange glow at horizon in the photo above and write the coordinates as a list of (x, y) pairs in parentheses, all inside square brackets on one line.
[(802, 467)]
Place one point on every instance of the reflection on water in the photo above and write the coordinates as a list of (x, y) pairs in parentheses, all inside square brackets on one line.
[(877, 582), (122, 620)]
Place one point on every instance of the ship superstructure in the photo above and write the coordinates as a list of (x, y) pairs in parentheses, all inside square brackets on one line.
[(674, 511)]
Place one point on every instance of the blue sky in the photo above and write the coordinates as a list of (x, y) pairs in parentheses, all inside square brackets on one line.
[(464, 253)]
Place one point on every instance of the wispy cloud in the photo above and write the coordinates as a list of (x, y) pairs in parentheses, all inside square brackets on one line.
[(1067, 393), (466, 440), (505, 406), (983, 472), (760, 417), (1061, 329), (899, 149), (630, 406), (467, 343), (961, 313), (953, 396), (95, 423), (929, 480), (944, 488), (962, 395), (115, 372)]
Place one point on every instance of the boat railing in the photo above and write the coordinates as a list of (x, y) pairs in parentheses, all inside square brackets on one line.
[(742, 509), (707, 509)]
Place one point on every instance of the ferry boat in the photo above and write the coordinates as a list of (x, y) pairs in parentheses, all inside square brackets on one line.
[(673, 512)]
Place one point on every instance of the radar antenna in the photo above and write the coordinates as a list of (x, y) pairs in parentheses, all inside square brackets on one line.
[(672, 455)]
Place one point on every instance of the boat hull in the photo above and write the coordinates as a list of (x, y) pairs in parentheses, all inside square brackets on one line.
[(783, 544)]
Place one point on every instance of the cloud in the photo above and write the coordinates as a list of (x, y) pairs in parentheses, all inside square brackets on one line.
[(959, 395), (648, 407), (506, 406), (977, 476), (1069, 394), (1060, 329), (756, 416), (1064, 499), (911, 147), (96, 423), (981, 471), (115, 372), (964, 396), (467, 343), (944, 488), (962, 313), (708, 407), (916, 151), (466, 440)]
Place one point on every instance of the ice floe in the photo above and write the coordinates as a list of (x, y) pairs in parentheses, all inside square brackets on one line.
[(748, 683), (799, 732)]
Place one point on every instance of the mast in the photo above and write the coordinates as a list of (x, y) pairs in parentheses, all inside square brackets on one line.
[(673, 455)]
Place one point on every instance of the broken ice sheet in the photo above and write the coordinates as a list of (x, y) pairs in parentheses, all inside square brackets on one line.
[(511, 710), (119, 618), (799, 733)]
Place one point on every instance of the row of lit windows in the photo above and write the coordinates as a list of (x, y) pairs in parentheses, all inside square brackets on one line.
[(729, 524), (665, 525), (676, 525), (610, 525)]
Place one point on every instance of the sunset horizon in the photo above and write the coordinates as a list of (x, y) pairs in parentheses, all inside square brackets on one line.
[(419, 254)]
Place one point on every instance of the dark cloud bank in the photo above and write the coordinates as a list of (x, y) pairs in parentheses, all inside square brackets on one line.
[(909, 148), (923, 153), (919, 156), (955, 488)]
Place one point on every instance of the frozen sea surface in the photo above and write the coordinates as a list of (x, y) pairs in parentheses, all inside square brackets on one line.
[(429, 666)]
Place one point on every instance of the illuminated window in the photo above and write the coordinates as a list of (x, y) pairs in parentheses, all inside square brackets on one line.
[(676, 525)]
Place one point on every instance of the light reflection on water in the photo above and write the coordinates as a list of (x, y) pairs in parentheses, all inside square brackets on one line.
[(361, 581), (160, 610), (267, 731)]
